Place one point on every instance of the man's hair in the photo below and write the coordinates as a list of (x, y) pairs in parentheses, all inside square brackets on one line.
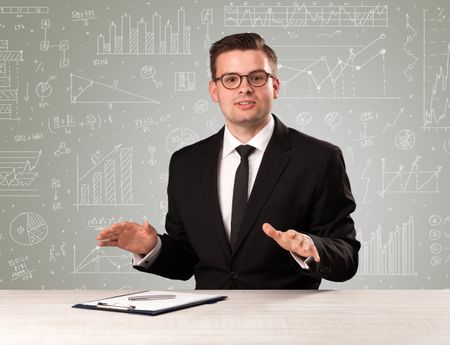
[(243, 41)]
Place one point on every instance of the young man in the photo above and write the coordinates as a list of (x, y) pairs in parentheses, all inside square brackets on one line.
[(255, 206)]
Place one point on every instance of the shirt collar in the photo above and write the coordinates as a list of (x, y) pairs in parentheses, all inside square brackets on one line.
[(259, 141)]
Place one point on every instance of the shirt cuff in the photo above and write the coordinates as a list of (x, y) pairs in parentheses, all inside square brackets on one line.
[(145, 261), (303, 262)]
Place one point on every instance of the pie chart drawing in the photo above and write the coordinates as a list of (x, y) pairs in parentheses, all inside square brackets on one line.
[(28, 229)]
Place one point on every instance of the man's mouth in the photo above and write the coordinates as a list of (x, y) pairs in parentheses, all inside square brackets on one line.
[(245, 102)]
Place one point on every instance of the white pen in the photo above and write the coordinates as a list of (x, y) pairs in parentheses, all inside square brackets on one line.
[(150, 297)]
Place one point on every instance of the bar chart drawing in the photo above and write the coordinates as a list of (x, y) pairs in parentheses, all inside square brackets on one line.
[(109, 181), (161, 39), (395, 256), (301, 15)]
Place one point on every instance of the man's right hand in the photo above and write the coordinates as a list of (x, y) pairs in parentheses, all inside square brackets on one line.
[(134, 237)]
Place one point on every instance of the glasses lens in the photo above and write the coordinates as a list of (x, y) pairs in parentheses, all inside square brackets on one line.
[(231, 81), (258, 78)]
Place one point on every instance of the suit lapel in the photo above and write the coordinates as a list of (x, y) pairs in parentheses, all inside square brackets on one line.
[(272, 166), (209, 166)]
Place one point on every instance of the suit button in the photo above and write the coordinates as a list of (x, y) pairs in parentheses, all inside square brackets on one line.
[(234, 275)]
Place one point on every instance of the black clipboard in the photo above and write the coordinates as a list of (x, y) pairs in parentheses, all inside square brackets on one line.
[(152, 307)]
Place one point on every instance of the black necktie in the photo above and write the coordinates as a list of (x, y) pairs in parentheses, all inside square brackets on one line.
[(240, 192)]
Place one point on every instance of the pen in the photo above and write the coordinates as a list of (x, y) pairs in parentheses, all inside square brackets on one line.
[(150, 297)]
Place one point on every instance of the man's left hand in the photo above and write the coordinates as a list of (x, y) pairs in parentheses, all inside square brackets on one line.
[(293, 241)]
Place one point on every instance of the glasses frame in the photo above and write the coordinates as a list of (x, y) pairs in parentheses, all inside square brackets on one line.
[(241, 76)]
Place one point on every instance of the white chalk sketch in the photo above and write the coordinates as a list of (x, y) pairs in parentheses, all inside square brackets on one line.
[(412, 180), (18, 173), (392, 256), (179, 138), (411, 34), (302, 15), (28, 229), (405, 140), (63, 45), (85, 90), (436, 63), (136, 40), (184, 81), (109, 181), (100, 261), (439, 234), (9, 78), (23, 10), (315, 76)]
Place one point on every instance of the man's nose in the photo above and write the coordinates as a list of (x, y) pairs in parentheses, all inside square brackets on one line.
[(245, 86)]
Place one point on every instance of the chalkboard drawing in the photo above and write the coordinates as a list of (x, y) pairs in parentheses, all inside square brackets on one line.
[(9, 76), (109, 181), (18, 173), (85, 90), (28, 229)]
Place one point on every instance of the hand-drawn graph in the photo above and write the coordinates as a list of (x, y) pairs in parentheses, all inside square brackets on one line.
[(9, 76), (436, 63), (409, 181), (317, 76), (84, 90), (136, 41), (28, 229), (395, 256), (301, 15), (21, 10), (18, 173), (109, 181), (98, 261)]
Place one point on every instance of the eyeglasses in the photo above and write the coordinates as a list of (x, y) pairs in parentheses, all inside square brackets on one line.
[(232, 81)]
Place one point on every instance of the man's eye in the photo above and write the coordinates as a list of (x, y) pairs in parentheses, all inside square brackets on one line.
[(230, 79), (256, 77)]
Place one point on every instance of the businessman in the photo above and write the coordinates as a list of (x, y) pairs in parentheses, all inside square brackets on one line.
[(257, 205)]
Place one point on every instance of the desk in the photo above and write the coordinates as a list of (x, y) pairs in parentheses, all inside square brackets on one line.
[(247, 317)]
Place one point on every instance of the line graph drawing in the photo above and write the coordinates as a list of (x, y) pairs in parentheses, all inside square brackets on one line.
[(85, 90), (302, 15), (109, 181), (9, 77), (436, 63), (98, 261), (18, 173), (395, 256), (409, 181), (136, 41), (391, 125), (322, 77)]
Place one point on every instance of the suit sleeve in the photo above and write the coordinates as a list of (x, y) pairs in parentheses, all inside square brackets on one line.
[(177, 258), (332, 228)]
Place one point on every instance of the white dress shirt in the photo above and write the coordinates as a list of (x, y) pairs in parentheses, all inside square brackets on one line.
[(228, 164)]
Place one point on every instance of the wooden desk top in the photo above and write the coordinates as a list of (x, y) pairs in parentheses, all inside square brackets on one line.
[(247, 317)]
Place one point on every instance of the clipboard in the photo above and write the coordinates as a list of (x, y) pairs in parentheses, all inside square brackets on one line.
[(150, 302)]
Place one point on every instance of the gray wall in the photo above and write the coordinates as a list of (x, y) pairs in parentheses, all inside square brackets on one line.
[(88, 127)]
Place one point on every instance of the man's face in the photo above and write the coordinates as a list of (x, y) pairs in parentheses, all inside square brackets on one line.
[(247, 105)]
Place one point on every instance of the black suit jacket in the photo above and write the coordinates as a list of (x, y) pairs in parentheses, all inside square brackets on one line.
[(301, 184)]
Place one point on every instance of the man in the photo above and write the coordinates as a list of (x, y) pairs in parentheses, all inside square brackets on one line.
[(255, 206)]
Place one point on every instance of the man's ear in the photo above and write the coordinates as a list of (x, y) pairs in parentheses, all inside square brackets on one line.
[(276, 87), (213, 91)]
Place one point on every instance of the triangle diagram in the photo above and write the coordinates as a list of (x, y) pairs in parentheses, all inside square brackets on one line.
[(84, 90)]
